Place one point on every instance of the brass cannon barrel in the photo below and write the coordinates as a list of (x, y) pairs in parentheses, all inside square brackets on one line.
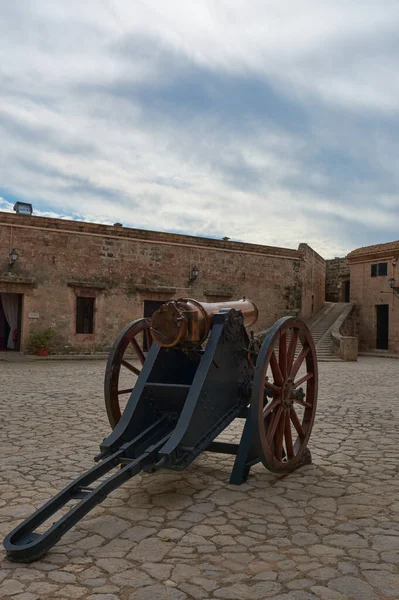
[(188, 321)]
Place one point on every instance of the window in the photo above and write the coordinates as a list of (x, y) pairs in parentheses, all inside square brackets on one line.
[(84, 315), (380, 269)]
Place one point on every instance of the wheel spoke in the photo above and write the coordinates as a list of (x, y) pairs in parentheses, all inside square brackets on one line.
[(130, 367), (288, 437), (302, 403), (271, 431), (273, 388), (270, 406), (278, 440), (278, 377), (138, 350), (303, 379), (296, 423), (292, 349), (125, 391), (282, 353), (297, 364)]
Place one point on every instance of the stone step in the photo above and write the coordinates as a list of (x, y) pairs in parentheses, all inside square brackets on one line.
[(319, 326)]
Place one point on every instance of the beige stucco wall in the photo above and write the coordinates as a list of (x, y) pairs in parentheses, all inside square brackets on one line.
[(368, 292)]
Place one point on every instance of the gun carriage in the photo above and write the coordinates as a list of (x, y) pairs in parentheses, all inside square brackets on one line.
[(193, 369)]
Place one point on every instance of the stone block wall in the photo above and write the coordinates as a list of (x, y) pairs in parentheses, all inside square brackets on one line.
[(312, 278), (337, 271), (121, 268)]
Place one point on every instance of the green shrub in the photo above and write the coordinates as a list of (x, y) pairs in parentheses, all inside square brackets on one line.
[(40, 339)]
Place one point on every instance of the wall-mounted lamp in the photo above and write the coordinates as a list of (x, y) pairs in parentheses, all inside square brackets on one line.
[(13, 257), (392, 284), (394, 261), (193, 276)]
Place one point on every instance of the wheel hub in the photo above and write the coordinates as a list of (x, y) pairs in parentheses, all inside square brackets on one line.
[(287, 397)]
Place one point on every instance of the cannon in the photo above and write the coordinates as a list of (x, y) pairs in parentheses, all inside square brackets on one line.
[(187, 373)]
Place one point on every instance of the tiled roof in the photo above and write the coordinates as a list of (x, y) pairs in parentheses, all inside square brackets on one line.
[(389, 247)]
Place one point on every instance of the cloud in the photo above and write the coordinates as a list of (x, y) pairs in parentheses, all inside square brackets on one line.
[(268, 123), (5, 206)]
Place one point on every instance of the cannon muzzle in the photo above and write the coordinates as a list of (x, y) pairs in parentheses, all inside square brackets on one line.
[(188, 321)]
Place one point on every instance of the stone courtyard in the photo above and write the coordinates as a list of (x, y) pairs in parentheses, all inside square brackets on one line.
[(329, 531)]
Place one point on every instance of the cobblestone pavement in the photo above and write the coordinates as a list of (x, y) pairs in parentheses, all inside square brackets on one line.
[(330, 531)]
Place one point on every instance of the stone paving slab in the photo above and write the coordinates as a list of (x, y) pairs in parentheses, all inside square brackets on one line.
[(329, 531), (10, 356)]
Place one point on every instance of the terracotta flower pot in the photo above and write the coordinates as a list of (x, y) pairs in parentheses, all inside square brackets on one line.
[(42, 351)]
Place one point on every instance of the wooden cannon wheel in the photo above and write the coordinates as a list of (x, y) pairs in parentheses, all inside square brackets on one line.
[(284, 395), (124, 364)]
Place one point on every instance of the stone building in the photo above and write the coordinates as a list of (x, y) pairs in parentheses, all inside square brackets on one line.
[(374, 287), (86, 281)]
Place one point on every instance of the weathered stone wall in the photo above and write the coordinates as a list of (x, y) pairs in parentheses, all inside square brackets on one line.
[(312, 278), (337, 271), (60, 260)]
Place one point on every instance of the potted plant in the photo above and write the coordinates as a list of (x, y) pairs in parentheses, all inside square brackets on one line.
[(40, 341)]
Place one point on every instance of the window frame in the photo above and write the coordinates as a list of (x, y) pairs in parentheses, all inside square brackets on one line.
[(376, 268)]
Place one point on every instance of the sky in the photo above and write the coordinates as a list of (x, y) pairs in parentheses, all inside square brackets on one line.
[(268, 122)]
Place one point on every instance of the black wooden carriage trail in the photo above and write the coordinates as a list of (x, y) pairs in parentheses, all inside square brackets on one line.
[(202, 370)]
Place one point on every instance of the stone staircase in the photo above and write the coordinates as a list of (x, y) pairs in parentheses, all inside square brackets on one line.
[(320, 326)]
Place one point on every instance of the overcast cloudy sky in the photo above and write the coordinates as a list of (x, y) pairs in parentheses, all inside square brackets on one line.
[(265, 121)]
